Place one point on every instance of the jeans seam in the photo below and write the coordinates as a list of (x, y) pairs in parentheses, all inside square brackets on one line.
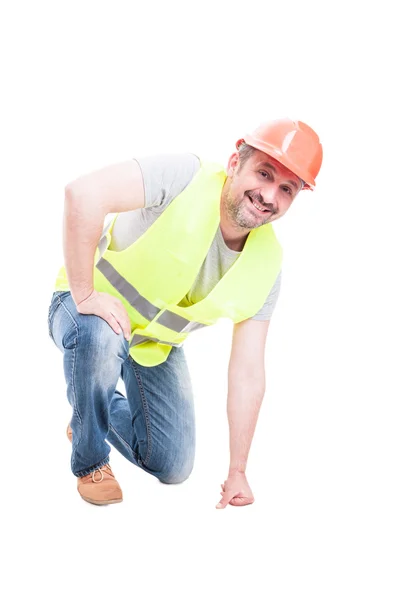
[(51, 315), (146, 414), (123, 441), (75, 408)]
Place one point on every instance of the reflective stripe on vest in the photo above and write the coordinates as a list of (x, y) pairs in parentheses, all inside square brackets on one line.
[(140, 339), (125, 289), (104, 241), (102, 246), (144, 307)]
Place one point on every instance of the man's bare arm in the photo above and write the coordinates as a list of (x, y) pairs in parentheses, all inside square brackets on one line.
[(88, 199), (246, 388)]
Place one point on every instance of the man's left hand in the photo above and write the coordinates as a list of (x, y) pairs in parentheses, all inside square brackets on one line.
[(235, 491)]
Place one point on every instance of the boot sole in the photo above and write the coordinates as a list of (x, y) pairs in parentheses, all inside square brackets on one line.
[(102, 502)]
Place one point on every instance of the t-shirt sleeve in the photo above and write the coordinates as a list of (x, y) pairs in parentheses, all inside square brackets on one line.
[(265, 313), (165, 176)]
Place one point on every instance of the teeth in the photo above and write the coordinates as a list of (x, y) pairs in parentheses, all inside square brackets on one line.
[(258, 206)]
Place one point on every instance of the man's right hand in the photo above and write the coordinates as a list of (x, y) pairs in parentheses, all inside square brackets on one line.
[(108, 308)]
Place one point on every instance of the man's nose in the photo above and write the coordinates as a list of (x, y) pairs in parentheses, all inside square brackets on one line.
[(268, 195)]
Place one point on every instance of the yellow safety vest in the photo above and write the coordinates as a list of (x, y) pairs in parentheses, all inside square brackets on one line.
[(154, 274)]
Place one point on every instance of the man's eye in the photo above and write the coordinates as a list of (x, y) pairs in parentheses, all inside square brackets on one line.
[(264, 174), (287, 190)]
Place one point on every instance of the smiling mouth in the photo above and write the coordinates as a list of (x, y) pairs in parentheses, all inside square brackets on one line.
[(260, 207)]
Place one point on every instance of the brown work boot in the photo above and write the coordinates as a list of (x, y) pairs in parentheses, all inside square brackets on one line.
[(100, 487)]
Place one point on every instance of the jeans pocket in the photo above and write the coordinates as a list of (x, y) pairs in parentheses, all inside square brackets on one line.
[(54, 304)]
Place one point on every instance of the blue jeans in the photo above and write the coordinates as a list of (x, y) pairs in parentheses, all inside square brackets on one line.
[(154, 427)]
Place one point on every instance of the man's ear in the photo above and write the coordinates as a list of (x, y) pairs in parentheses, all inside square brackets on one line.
[(233, 164)]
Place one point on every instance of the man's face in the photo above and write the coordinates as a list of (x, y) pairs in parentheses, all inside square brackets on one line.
[(259, 191)]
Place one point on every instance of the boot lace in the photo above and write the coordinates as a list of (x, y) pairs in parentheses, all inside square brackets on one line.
[(101, 473)]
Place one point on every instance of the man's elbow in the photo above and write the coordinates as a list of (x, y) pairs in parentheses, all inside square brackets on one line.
[(249, 380), (71, 193), (80, 203)]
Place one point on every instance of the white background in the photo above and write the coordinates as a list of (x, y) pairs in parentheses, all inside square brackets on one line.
[(86, 84)]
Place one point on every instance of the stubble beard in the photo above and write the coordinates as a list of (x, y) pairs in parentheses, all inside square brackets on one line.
[(238, 214)]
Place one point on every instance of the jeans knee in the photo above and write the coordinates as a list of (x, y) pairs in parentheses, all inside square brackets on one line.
[(101, 343), (89, 335), (176, 473)]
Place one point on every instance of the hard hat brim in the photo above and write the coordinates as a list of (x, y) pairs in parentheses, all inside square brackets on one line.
[(278, 155)]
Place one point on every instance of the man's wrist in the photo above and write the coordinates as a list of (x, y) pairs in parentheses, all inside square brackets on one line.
[(237, 468), (80, 296)]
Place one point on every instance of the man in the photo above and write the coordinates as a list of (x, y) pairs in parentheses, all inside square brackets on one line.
[(190, 243)]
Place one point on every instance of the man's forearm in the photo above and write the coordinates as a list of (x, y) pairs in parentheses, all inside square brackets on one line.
[(83, 225), (245, 395)]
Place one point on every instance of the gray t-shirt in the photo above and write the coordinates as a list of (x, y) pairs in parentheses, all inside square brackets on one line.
[(165, 177)]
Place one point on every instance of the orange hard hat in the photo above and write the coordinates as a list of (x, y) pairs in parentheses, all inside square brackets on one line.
[(293, 143)]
